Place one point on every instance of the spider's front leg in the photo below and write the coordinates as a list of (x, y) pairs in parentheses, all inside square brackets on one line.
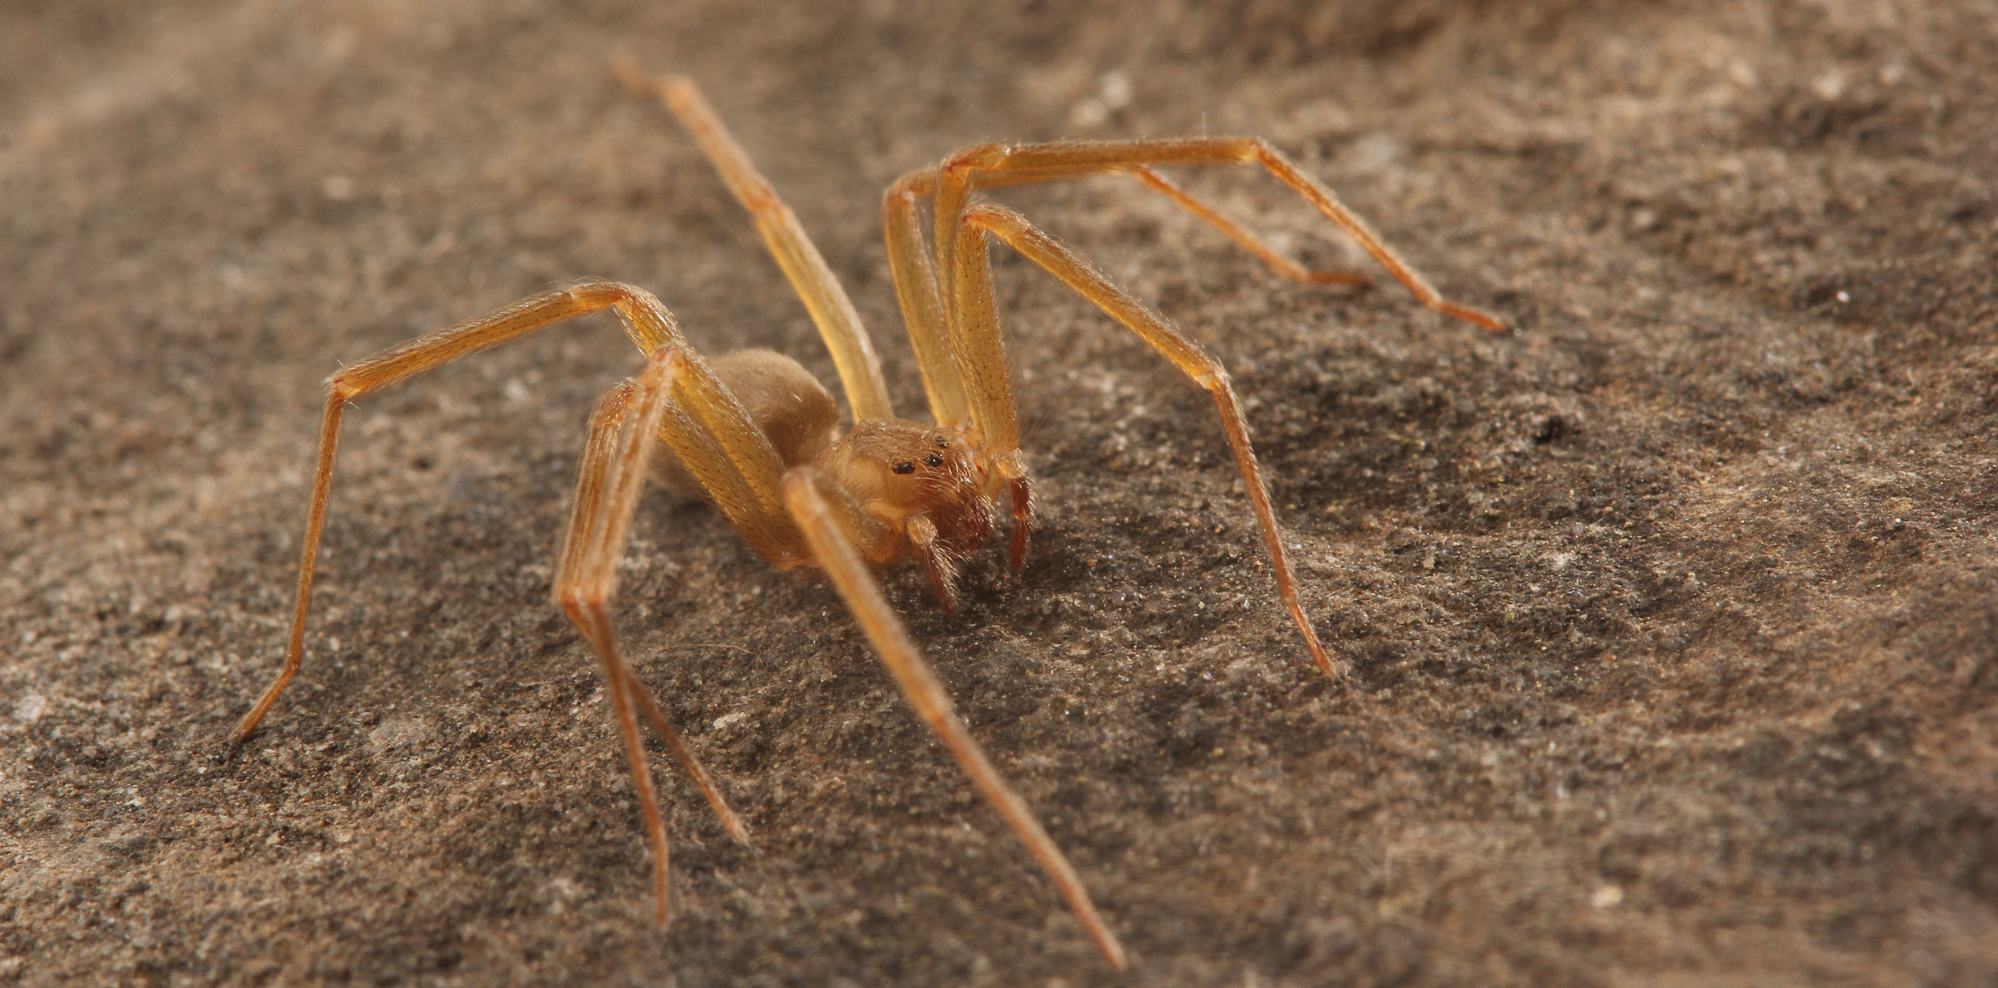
[(981, 357), (823, 512)]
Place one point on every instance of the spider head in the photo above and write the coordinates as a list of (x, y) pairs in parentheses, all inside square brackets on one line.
[(901, 469)]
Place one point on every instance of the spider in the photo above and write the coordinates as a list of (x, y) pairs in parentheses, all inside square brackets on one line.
[(761, 438)]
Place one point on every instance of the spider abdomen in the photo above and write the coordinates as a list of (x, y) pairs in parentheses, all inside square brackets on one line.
[(793, 410)]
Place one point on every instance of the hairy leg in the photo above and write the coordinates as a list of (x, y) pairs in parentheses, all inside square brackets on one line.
[(398, 363), (806, 494), (710, 431), (951, 184), (1243, 236), (607, 488), (981, 352), (839, 324), (602, 478), (912, 266)]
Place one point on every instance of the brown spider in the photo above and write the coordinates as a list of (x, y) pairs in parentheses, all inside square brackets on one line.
[(761, 439)]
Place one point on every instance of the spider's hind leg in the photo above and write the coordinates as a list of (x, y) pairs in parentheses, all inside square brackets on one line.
[(811, 278)]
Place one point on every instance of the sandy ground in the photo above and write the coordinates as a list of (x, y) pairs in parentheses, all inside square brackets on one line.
[(1672, 619)]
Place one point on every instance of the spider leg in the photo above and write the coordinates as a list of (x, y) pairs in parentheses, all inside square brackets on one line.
[(974, 381), (982, 356), (648, 323), (819, 517), (606, 495), (716, 440), (607, 488), (839, 324), (912, 267), (1243, 236), (984, 166), (1150, 178)]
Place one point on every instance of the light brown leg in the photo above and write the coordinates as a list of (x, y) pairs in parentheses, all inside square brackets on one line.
[(1243, 236), (608, 484), (394, 364), (981, 350), (1150, 178), (993, 165), (716, 440), (606, 492), (600, 478), (804, 496), (912, 267), (743, 466), (831, 310), (689, 762)]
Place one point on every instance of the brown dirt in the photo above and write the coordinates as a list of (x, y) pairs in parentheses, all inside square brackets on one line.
[(1673, 620)]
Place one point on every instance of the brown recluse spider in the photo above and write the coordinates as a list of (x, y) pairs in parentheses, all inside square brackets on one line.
[(761, 439)]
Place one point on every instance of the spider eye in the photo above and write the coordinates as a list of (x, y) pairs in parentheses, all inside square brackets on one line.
[(906, 466), (934, 461)]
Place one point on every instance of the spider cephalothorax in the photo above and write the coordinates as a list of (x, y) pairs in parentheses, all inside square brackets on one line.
[(925, 484), (757, 436)]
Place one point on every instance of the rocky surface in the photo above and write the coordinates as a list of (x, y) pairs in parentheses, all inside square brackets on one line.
[(1672, 620)]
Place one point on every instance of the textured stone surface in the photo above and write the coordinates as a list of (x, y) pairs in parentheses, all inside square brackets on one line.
[(1671, 619)]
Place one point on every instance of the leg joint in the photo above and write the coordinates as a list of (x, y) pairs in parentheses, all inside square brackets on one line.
[(973, 156), (597, 294)]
